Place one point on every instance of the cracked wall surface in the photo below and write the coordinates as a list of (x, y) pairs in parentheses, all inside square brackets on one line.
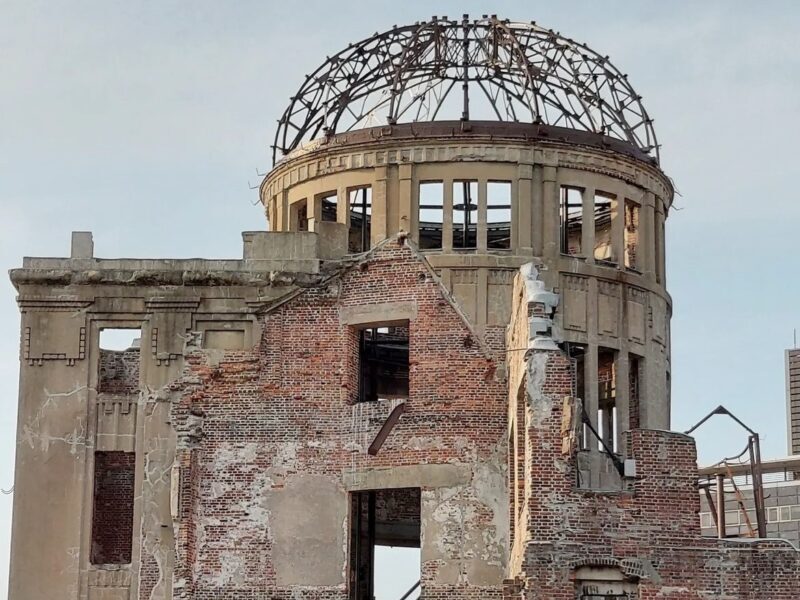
[(282, 442), (240, 406), (648, 533)]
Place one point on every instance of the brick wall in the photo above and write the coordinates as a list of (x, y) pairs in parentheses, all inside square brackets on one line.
[(119, 371), (112, 514), (286, 409), (650, 531)]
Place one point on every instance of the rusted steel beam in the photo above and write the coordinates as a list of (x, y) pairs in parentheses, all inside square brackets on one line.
[(386, 429)]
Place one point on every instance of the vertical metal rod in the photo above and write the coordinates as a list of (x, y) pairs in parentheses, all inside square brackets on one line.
[(721, 530), (364, 241), (467, 202), (758, 486), (465, 65), (371, 533), (357, 565), (711, 505)]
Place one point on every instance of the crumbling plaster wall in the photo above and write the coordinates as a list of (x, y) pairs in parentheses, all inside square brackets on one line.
[(67, 409), (282, 442)]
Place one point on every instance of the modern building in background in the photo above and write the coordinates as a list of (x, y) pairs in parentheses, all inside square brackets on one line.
[(781, 482), (455, 337), (793, 399)]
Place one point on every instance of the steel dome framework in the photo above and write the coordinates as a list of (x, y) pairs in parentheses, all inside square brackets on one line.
[(423, 72)]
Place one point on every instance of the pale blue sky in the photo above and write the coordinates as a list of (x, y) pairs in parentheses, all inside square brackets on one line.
[(146, 121)]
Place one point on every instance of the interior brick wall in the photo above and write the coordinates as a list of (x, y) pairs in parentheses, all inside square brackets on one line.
[(112, 514), (119, 371), (650, 530)]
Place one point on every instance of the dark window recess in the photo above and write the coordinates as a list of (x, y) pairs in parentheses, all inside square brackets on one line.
[(498, 215), (328, 206), (431, 214), (298, 215), (571, 215), (577, 352), (465, 215), (607, 397), (302, 217), (635, 390), (360, 200), (383, 363), (388, 518), (112, 512)]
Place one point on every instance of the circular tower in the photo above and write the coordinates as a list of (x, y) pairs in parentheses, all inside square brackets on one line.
[(493, 144)]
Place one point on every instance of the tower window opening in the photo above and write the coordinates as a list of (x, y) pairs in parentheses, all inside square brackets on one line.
[(360, 204), (660, 240), (607, 398), (605, 208), (329, 207), (299, 216), (635, 375), (383, 363), (577, 352), (498, 215), (431, 215), (465, 215), (631, 234), (571, 215)]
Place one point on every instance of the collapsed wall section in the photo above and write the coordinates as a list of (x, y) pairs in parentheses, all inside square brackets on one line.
[(642, 539), (273, 442)]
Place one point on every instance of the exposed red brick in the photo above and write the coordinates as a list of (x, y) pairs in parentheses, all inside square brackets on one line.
[(112, 515)]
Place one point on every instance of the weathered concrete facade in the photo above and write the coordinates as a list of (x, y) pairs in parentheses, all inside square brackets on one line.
[(455, 337)]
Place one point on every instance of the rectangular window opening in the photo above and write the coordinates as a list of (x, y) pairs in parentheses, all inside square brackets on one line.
[(383, 362), (465, 215), (660, 241), (120, 340), (607, 398), (119, 361), (631, 234), (431, 214), (498, 215), (360, 204), (605, 208), (571, 215), (604, 583), (299, 216), (635, 375), (112, 510), (385, 541), (577, 352), (329, 207)]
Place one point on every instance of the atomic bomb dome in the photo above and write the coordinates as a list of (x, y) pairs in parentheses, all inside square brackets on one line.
[(452, 340), (481, 69)]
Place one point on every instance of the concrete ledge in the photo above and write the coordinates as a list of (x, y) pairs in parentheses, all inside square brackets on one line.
[(388, 313), (423, 476)]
